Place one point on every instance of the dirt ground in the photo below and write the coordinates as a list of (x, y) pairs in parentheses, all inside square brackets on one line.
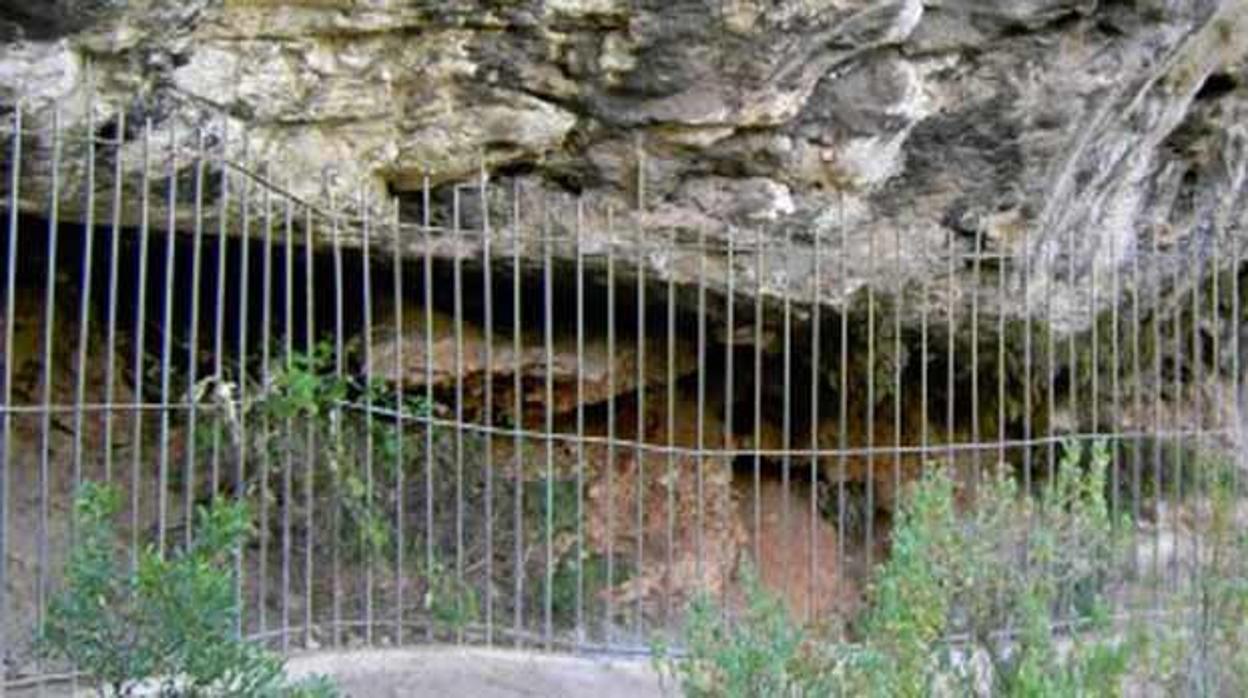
[(453, 671)]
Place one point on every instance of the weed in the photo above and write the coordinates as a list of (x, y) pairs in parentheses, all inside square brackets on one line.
[(1007, 595), (450, 602), (170, 622), (1201, 646)]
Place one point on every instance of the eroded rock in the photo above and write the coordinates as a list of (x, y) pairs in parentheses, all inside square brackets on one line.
[(1050, 130), (461, 356)]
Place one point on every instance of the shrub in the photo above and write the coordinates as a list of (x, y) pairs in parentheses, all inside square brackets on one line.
[(452, 603), (1003, 596), (761, 653), (1199, 645), (1008, 595), (170, 622)]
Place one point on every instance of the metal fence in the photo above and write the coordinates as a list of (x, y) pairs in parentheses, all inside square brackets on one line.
[(472, 413)]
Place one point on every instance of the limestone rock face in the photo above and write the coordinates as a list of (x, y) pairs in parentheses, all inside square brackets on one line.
[(432, 351), (1069, 133)]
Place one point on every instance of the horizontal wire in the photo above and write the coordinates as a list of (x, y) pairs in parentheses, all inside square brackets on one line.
[(417, 420)]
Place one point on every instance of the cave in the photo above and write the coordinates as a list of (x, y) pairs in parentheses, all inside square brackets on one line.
[(701, 440)]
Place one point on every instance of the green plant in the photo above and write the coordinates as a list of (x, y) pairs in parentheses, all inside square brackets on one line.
[(1001, 595), (1200, 647), (1011, 578), (305, 394), (577, 574), (170, 621), (95, 623), (761, 653), (451, 603), (371, 473)]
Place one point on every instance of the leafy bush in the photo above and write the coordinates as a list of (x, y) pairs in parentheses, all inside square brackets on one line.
[(451, 602), (170, 622), (307, 410), (1019, 585), (428, 480), (1199, 646), (763, 653), (1004, 595)]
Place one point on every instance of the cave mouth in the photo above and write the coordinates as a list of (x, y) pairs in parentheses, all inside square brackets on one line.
[(239, 300), (250, 297), (812, 529)]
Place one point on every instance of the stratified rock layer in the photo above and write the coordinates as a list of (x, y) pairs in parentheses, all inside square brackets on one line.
[(893, 133)]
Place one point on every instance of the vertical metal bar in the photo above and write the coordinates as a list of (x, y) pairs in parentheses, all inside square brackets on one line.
[(1071, 345), (114, 264), (136, 437), (976, 280), (400, 423), (1215, 366), (842, 413), (1196, 265), (1028, 360), (760, 254), (548, 324), (869, 416), (6, 364), (166, 343), (642, 261), (1094, 363), (609, 606), (1176, 440), (1236, 374), (898, 290), (487, 285), (1137, 390), (700, 474), (951, 358), (192, 353), (1025, 289), (241, 437), (517, 436), (457, 291), (786, 430), (266, 382), (1215, 349), (84, 316), (1001, 413), (370, 550), (218, 359), (924, 328), (1116, 421), (580, 421), (1158, 483), (427, 280), (672, 471), (310, 436), (458, 320), (337, 446), (816, 328), (43, 575), (288, 441), (1050, 280), (84, 308), (640, 451)]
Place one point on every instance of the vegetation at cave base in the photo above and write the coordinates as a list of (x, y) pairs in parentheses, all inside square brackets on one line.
[(1011, 595), (171, 621)]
